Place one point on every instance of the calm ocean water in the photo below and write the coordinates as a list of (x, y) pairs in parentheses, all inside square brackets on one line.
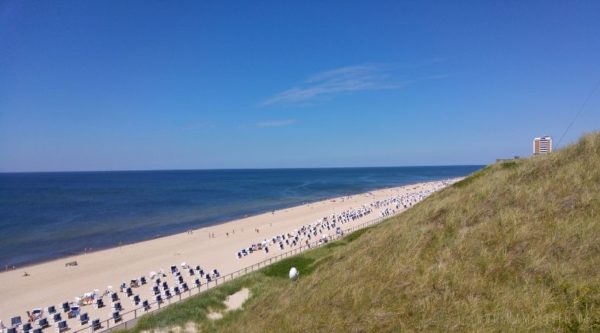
[(50, 215)]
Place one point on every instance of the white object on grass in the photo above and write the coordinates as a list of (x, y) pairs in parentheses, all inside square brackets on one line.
[(294, 274)]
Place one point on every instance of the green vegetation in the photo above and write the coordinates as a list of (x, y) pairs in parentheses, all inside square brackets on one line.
[(282, 268), (511, 248), (355, 235), (476, 175), (195, 310)]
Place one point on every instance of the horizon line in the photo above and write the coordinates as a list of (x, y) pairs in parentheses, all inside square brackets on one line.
[(239, 169)]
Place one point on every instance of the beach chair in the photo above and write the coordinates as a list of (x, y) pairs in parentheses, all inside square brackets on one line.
[(184, 287), (180, 279), (15, 321), (117, 307), (176, 291), (143, 280), (136, 299), (26, 327), (56, 318), (43, 323), (197, 282), (208, 278), (134, 284), (114, 297), (74, 312), (165, 285), (11, 330), (37, 330), (156, 290), (116, 316), (84, 318), (173, 269), (51, 309), (61, 326), (168, 294), (37, 313), (99, 303), (129, 292), (158, 299), (66, 307), (146, 305), (191, 271), (96, 325)]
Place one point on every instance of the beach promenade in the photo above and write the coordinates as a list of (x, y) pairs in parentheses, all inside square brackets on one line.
[(214, 247)]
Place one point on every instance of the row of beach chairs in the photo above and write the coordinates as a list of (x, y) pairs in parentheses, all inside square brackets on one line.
[(73, 311)]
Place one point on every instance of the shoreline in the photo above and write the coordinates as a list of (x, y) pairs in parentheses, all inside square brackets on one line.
[(51, 283), (27, 265)]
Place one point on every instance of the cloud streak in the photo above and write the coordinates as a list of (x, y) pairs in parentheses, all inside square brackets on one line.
[(275, 123), (345, 79), (356, 78)]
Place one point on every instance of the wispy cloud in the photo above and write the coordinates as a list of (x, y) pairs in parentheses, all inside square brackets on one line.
[(275, 123), (350, 79), (339, 80)]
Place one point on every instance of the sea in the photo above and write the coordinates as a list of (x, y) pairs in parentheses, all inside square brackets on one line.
[(44, 216)]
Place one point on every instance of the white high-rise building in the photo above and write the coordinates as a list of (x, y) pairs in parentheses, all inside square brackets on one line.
[(542, 145)]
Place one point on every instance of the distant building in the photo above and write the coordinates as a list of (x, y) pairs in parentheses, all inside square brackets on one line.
[(508, 159), (542, 145)]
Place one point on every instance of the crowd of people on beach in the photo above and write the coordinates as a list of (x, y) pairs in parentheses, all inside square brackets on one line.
[(323, 228), (328, 227)]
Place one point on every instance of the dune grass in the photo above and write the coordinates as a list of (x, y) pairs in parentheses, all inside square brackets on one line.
[(514, 247), (196, 309)]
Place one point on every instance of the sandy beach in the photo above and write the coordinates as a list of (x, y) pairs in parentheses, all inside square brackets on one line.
[(52, 283)]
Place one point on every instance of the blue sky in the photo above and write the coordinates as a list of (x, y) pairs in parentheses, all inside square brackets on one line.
[(113, 85)]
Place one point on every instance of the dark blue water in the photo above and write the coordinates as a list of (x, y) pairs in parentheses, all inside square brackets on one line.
[(49, 215)]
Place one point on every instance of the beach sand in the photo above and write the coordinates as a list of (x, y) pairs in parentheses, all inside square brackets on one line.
[(52, 283)]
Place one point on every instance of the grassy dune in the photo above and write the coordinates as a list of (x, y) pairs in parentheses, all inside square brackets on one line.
[(513, 247)]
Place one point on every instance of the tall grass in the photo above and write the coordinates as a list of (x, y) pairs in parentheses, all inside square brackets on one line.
[(514, 247)]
